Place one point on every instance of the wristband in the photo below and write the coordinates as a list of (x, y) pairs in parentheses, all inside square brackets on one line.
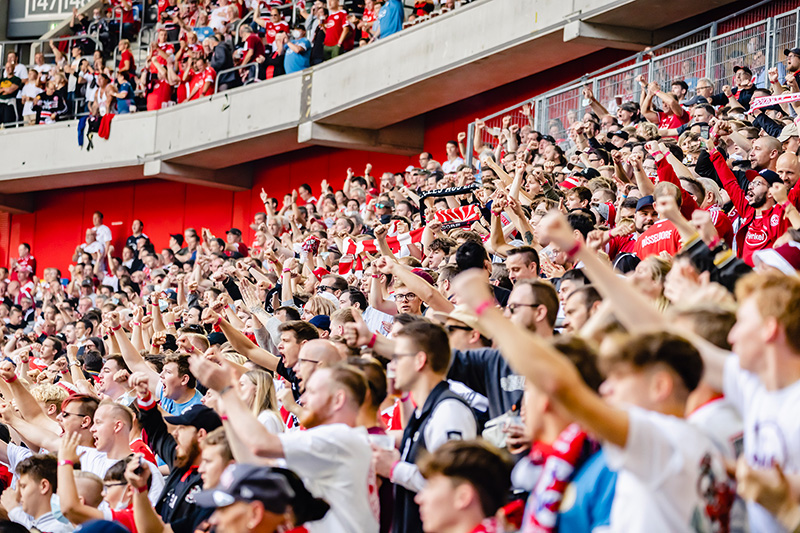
[(405, 397), (223, 417), (574, 250), (371, 342), (12, 380), (786, 204), (218, 322), (714, 243), (66, 462), (376, 276), (482, 307), (285, 270), (116, 328), (141, 489), (136, 324), (654, 154), (391, 472)]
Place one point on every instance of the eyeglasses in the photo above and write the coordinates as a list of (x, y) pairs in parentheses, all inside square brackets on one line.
[(323, 288), (117, 484), (452, 327), (65, 414), (514, 307), (405, 297), (396, 356), (704, 87), (381, 206), (302, 360)]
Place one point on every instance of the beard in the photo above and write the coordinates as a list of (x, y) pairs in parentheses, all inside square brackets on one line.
[(184, 457), (758, 200), (312, 418)]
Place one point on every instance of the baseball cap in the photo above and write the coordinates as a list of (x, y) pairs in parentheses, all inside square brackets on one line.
[(178, 238), (785, 257), (696, 99), (410, 168), (424, 275), (620, 133), (770, 176), (742, 67), (101, 526), (790, 130), (645, 201), (198, 416), (462, 314), (235, 231), (322, 322), (795, 51), (244, 482)]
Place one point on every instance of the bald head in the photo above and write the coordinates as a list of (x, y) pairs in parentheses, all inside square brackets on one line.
[(764, 153), (788, 168), (321, 350)]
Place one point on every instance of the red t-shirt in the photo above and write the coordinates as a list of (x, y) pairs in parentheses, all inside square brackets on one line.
[(199, 79), (662, 236), (350, 41), (254, 43), (672, 121), (334, 27), (168, 49), (160, 94), (271, 30), (620, 244), (722, 223), (125, 517), (369, 17), (127, 56), (762, 232)]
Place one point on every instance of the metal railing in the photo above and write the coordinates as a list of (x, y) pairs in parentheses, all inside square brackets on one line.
[(755, 36), (236, 69), (37, 45)]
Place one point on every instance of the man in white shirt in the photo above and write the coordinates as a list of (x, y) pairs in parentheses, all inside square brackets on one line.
[(453, 159), (332, 457), (37, 482), (102, 232)]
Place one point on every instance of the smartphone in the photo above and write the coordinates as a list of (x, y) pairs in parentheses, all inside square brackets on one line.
[(163, 305), (704, 132), (139, 470)]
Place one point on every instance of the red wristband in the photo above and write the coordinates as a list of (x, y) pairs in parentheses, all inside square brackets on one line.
[(391, 472), (12, 380), (136, 324), (371, 342), (223, 417), (786, 204), (482, 307), (142, 489), (574, 250), (66, 462), (116, 328)]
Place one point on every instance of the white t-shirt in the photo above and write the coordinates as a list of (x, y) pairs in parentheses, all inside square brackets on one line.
[(271, 421), (771, 428), (451, 167), (660, 474), (721, 422), (103, 233), (30, 90), (378, 321), (335, 463), (97, 462)]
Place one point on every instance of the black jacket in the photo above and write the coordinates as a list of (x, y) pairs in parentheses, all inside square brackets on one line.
[(486, 372), (176, 504), (222, 59)]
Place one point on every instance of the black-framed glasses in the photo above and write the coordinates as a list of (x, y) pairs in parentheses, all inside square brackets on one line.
[(452, 327), (514, 307), (65, 414), (405, 297), (302, 360), (323, 288), (396, 356)]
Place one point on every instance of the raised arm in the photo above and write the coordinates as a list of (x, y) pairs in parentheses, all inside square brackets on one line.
[(73, 509), (130, 354), (221, 379), (243, 345), (536, 359), (426, 292), (28, 407)]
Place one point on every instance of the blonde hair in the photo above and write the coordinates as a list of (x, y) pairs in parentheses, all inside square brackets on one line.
[(49, 394), (319, 305), (265, 398)]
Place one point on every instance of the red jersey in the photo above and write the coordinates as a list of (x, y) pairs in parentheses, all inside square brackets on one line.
[(25, 290), (350, 41), (199, 79), (672, 121), (334, 27), (167, 49), (127, 56), (662, 236), (253, 43), (125, 517), (722, 223), (621, 244), (758, 230), (271, 30), (370, 17)]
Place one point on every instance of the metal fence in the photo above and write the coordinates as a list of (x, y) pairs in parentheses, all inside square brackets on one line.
[(755, 37)]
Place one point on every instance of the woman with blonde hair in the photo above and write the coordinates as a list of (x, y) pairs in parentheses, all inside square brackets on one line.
[(258, 391), (317, 305)]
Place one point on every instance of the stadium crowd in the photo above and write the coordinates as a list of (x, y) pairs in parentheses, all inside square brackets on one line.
[(195, 51), (602, 338)]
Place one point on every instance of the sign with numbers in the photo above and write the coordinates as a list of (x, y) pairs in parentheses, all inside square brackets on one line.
[(50, 9)]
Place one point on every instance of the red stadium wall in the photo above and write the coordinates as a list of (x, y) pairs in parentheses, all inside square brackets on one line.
[(62, 216)]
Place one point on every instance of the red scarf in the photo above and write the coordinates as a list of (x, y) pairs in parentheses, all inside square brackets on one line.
[(555, 463)]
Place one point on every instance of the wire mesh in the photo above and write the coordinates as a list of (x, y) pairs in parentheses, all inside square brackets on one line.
[(688, 65), (745, 47), (785, 35), (561, 111), (522, 116)]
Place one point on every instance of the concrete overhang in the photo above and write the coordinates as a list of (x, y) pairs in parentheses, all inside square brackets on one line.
[(371, 99)]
